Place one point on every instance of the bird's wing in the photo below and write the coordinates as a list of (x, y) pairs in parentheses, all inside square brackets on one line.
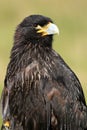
[(17, 90), (66, 113), (5, 102)]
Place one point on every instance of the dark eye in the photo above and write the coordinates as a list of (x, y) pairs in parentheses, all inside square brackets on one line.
[(41, 23)]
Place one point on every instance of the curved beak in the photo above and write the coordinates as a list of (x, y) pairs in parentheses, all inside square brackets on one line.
[(48, 29)]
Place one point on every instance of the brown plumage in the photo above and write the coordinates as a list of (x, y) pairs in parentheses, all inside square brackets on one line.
[(40, 91)]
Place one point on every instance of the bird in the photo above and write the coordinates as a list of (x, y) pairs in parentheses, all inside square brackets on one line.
[(41, 92)]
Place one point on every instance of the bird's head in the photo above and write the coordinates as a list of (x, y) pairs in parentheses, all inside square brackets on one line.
[(36, 29)]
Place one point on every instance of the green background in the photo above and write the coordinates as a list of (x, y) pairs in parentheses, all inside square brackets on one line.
[(69, 15)]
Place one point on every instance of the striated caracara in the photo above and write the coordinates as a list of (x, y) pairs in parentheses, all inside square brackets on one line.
[(40, 91)]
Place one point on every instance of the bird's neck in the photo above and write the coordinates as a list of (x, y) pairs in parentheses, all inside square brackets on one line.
[(22, 56)]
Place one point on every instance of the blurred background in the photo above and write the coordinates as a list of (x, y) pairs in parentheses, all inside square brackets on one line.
[(71, 18)]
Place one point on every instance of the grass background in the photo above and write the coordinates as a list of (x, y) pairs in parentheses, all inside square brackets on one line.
[(71, 18)]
